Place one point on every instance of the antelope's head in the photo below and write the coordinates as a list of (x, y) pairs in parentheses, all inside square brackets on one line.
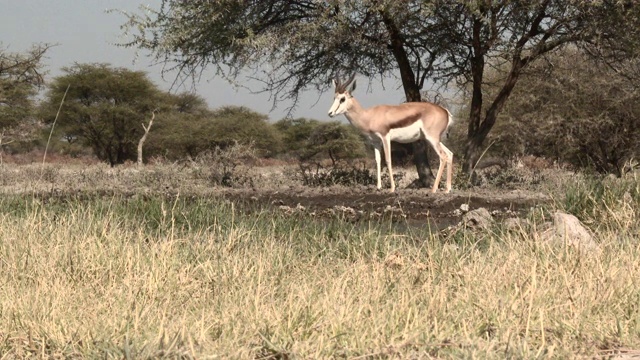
[(342, 99)]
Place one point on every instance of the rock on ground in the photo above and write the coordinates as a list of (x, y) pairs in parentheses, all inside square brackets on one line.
[(478, 218), (569, 230)]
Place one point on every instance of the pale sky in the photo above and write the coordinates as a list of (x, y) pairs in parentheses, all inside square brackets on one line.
[(85, 33)]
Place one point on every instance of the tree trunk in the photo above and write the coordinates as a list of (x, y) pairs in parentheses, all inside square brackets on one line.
[(478, 130), (474, 142), (110, 156), (472, 151), (144, 137), (412, 93)]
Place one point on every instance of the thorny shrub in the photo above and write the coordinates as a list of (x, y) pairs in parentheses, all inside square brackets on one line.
[(509, 177), (346, 173), (503, 174), (228, 167)]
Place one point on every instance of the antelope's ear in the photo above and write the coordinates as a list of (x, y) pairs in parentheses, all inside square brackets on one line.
[(353, 86), (335, 84)]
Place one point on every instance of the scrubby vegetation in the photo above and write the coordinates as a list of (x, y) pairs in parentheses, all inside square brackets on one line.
[(574, 110)]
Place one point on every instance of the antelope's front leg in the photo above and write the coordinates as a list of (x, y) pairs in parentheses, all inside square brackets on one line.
[(378, 161), (386, 146)]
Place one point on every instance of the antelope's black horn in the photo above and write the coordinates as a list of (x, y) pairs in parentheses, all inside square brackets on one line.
[(339, 85), (350, 80)]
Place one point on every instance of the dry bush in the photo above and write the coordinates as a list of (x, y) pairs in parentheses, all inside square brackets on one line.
[(509, 177), (321, 174), (36, 156), (230, 166), (46, 173), (316, 175), (517, 173)]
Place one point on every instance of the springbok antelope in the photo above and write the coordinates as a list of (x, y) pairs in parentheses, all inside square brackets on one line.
[(404, 123)]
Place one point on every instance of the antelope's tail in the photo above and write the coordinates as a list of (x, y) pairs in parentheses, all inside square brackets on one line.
[(449, 122)]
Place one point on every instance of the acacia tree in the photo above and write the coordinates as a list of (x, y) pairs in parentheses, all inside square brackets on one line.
[(511, 35), (178, 131), (189, 128), (230, 125), (296, 45), (577, 111), (103, 109), (21, 76), (295, 134)]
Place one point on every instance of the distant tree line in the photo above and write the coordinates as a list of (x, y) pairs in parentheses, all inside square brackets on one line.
[(104, 110)]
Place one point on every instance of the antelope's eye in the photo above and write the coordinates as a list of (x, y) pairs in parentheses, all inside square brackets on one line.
[(342, 100)]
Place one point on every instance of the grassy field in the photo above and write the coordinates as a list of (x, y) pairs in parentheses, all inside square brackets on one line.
[(94, 275)]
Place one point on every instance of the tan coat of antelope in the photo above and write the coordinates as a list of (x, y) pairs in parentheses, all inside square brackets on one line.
[(404, 123)]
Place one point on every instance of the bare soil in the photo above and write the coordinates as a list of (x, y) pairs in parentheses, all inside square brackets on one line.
[(414, 206), (276, 188)]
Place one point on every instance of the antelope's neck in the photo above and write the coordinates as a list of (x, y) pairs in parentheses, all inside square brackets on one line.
[(357, 116)]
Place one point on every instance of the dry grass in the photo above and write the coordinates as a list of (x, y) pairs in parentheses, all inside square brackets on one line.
[(157, 276)]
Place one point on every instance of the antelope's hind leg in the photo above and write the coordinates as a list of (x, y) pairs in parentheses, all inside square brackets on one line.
[(449, 160), (443, 155)]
